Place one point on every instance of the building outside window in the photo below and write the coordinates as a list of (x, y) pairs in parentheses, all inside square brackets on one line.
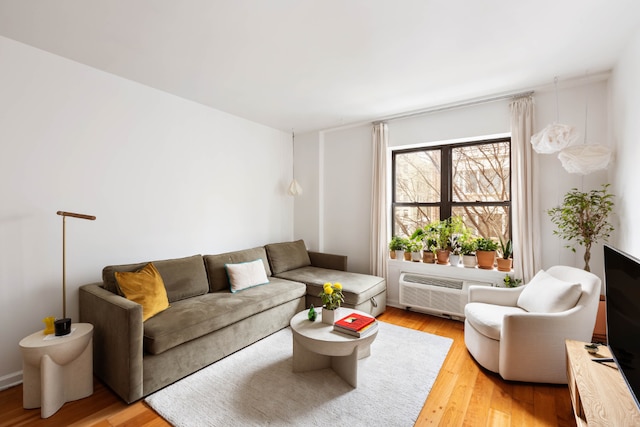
[(471, 180)]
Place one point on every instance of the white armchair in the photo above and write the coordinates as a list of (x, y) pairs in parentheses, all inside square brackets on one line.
[(520, 332)]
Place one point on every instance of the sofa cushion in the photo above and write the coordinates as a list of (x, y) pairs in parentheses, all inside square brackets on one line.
[(246, 275), (547, 294), (356, 287), (215, 264), (192, 318), (287, 256), (488, 318), (183, 277), (146, 288)]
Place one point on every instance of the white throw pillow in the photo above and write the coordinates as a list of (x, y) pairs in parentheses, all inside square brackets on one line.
[(246, 275), (547, 294)]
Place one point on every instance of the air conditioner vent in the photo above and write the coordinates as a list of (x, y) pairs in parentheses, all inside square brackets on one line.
[(437, 295), (433, 281)]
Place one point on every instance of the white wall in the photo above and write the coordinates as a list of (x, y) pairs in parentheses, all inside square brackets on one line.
[(165, 177), (625, 96), (343, 166)]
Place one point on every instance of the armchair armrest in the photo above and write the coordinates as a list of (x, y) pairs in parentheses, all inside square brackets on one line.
[(532, 339), (330, 261), (498, 296), (117, 339)]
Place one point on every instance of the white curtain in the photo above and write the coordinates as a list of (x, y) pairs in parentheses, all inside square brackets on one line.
[(524, 198), (379, 245)]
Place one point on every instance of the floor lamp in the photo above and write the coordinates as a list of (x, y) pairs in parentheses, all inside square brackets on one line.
[(63, 326)]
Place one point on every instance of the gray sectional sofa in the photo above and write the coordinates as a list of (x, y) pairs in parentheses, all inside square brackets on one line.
[(206, 321)]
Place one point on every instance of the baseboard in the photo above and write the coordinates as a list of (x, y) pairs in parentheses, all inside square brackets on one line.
[(10, 380)]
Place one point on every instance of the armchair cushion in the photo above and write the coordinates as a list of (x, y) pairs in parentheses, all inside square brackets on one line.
[(548, 294), (487, 318)]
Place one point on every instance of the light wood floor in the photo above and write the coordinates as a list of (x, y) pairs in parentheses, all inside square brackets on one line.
[(463, 395)]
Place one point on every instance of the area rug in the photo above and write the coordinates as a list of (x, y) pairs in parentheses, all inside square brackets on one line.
[(256, 386)]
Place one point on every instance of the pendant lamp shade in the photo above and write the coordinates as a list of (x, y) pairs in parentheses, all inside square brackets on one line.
[(554, 138), (584, 159), (295, 189)]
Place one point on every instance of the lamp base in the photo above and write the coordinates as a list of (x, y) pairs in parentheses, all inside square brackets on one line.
[(63, 327)]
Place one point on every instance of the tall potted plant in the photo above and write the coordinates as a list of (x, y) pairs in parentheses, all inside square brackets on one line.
[(486, 253), (584, 218)]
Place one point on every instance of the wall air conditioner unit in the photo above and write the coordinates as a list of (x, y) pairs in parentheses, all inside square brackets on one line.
[(437, 295)]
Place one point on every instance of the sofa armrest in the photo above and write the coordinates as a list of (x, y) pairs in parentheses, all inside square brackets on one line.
[(498, 296), (117, 339), (330, 261)]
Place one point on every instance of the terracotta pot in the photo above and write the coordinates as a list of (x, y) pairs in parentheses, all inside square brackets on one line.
[(392, 254), (407, 256), (486, 259), (505, 264), (428, 257), (443, 256)]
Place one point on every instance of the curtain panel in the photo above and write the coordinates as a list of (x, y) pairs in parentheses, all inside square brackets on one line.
[(379, 234), (524, 197)]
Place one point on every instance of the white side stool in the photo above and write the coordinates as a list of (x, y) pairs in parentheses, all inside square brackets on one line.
[(56, 370)]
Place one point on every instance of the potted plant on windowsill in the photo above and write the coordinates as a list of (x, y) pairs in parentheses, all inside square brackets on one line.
[(486, 253), (468, 250), (506, 250), (415, 247), (426, 235), (396, 247), (456, 250)]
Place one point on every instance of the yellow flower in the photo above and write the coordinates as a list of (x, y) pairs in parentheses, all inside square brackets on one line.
[(327, 285), (337, 285), (328, 290)]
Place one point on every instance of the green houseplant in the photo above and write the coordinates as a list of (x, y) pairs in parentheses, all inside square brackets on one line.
[(486, 253), (415, 246), (396, 244), (506, 250), (468, 246), (584, 218), (426, 235)]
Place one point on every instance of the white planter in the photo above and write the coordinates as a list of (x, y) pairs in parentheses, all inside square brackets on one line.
[(400, 255), (469, 261), (454, 260), (330, 316), (416, 256)]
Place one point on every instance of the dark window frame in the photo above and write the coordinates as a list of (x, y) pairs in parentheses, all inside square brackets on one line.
[(446, 203)]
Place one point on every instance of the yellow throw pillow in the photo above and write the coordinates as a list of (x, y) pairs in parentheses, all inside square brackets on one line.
[(145, 287)]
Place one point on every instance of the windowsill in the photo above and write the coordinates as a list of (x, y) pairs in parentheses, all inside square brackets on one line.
[(455, 272)]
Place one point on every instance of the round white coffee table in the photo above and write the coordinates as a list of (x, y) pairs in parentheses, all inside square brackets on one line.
[(317, 346), (57, 369)]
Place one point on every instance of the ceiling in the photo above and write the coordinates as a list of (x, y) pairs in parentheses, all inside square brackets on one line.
[(306, 65)]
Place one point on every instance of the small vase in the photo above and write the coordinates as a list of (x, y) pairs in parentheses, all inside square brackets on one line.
[(330, 316)]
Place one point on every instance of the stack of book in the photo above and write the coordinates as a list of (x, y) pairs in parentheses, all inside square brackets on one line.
[(357, 325)]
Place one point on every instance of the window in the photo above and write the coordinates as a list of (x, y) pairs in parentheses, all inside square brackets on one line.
[(471, 180)]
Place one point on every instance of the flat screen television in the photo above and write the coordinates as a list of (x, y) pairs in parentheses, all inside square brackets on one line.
[(622, 290)]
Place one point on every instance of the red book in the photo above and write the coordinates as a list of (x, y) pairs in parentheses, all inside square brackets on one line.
[(354, 322)]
